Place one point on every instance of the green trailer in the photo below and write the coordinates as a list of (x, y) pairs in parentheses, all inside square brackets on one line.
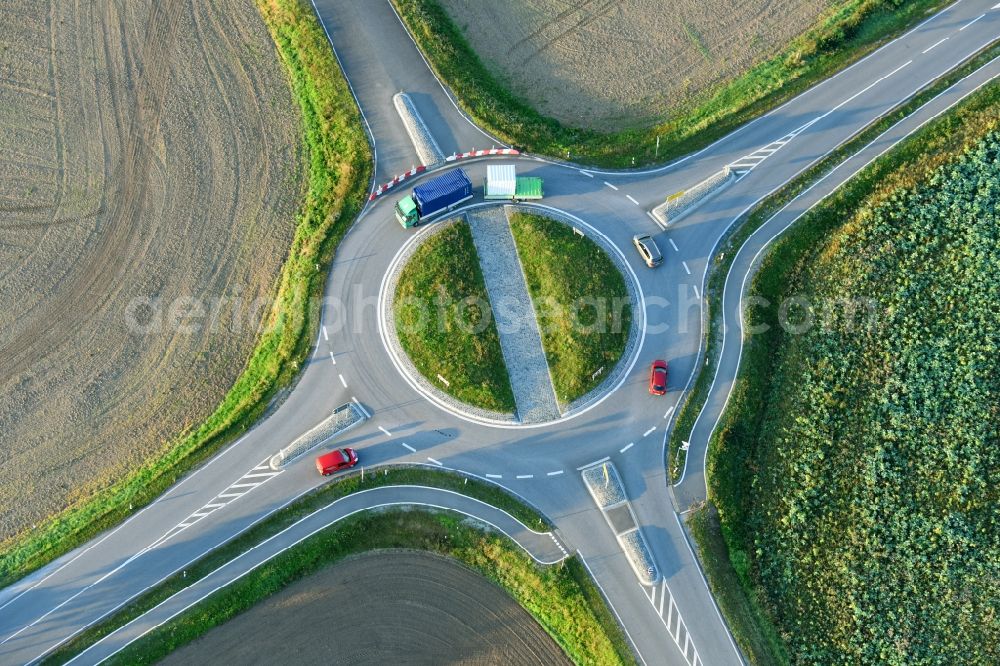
[(528, 187), (502, 184)]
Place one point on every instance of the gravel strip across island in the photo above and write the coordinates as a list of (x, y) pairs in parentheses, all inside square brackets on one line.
[(517, 327)]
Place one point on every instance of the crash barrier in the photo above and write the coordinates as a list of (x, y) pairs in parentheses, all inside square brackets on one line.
[(343, 419), (423, 141), (605, 487), (396, 181), (382, 189), (681, 203)]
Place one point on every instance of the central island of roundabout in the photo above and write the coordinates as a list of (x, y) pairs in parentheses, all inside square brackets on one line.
[(513, 315)]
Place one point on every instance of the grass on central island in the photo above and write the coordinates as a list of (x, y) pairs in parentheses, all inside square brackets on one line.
[(581, 302), (445, 323)]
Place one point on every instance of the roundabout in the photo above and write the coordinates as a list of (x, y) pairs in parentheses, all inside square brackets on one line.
[(618, 311), (675, 619)]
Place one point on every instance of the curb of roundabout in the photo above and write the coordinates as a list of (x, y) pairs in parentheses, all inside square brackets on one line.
[(446, 403)]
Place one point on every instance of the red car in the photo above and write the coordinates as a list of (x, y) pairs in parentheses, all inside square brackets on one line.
[(334, 461), (658, 377)]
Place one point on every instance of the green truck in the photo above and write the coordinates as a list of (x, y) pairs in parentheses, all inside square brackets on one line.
[(502, 183)]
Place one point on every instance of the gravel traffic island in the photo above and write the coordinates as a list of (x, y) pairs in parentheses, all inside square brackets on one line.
[(517, 327)]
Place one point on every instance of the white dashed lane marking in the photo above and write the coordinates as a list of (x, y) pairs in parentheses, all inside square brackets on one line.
[(971, 22), (525, 476), (555, 473), (935, 45), (586, 173), (385, 432), (686, 269), (673, 245), (697, 294), (648, 432), (494, 476), (670, 410), (436, 462), (325, 336), (629, 197), (342, 380), (407, 446), (611, 186), (626, 447), (332, 359)]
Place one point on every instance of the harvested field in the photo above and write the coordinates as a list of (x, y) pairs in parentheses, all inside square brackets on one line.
[(148, 154), (382, 608), (616, 64)]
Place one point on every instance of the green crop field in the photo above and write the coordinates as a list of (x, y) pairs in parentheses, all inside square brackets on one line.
[(855, 468), (445, 323), (580, 300)]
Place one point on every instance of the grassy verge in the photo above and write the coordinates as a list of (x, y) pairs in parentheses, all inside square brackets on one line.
[(445, 324), (549, 594), (846, 32), (339, 166), (694, 400), (562, 598), (324, 495), (751, 627), (580, 300)]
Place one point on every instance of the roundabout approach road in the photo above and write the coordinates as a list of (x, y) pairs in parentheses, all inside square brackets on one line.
[(673, 622)]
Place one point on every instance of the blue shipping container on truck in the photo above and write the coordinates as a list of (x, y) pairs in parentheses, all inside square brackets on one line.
[(445, 190)]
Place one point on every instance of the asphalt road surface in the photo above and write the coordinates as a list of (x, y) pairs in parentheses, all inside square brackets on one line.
[(674, 621)]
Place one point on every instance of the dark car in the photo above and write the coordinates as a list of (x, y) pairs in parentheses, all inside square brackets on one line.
[(658, 377), (648, 250), (334, 461)]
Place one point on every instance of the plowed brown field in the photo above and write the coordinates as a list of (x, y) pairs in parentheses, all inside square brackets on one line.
[(613, 64), (386, 607), (148, 155)]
